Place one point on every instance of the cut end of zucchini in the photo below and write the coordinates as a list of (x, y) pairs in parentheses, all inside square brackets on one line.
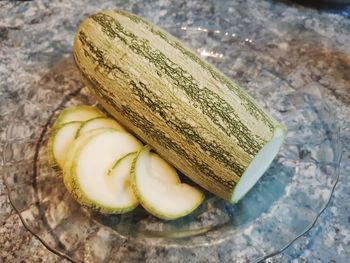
[(259, 165)]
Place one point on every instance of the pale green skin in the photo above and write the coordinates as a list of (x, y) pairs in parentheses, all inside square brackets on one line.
[(91, 111), (73, 185), (149, 208)]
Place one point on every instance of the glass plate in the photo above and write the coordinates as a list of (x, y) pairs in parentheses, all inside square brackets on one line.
[(283, 205)]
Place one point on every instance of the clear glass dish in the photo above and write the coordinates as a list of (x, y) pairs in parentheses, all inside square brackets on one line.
[(283, 205)]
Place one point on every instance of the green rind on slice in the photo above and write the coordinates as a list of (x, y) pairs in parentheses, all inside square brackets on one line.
[(98, 123), (60, 141), (90, 166), (77, 113), (164, 197)]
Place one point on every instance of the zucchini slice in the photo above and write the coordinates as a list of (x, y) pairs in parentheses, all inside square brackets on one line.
[(159, 190), (88, 171)]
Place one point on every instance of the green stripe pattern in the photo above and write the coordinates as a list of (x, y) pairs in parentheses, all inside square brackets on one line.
[(209, 131)]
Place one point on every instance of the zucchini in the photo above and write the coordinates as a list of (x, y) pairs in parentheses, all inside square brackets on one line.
[(189, 112)]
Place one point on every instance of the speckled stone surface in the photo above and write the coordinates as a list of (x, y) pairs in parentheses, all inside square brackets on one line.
[(308, 47)]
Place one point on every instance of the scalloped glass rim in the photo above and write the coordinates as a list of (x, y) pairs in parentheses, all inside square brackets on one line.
[(296, 110)]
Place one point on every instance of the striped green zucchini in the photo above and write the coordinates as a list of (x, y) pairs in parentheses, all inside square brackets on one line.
[(188, 111)]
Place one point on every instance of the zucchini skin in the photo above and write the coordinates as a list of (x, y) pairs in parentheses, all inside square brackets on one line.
[(189, 112)]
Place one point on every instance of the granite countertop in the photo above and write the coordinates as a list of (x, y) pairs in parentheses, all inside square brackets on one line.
[(35, 34)]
